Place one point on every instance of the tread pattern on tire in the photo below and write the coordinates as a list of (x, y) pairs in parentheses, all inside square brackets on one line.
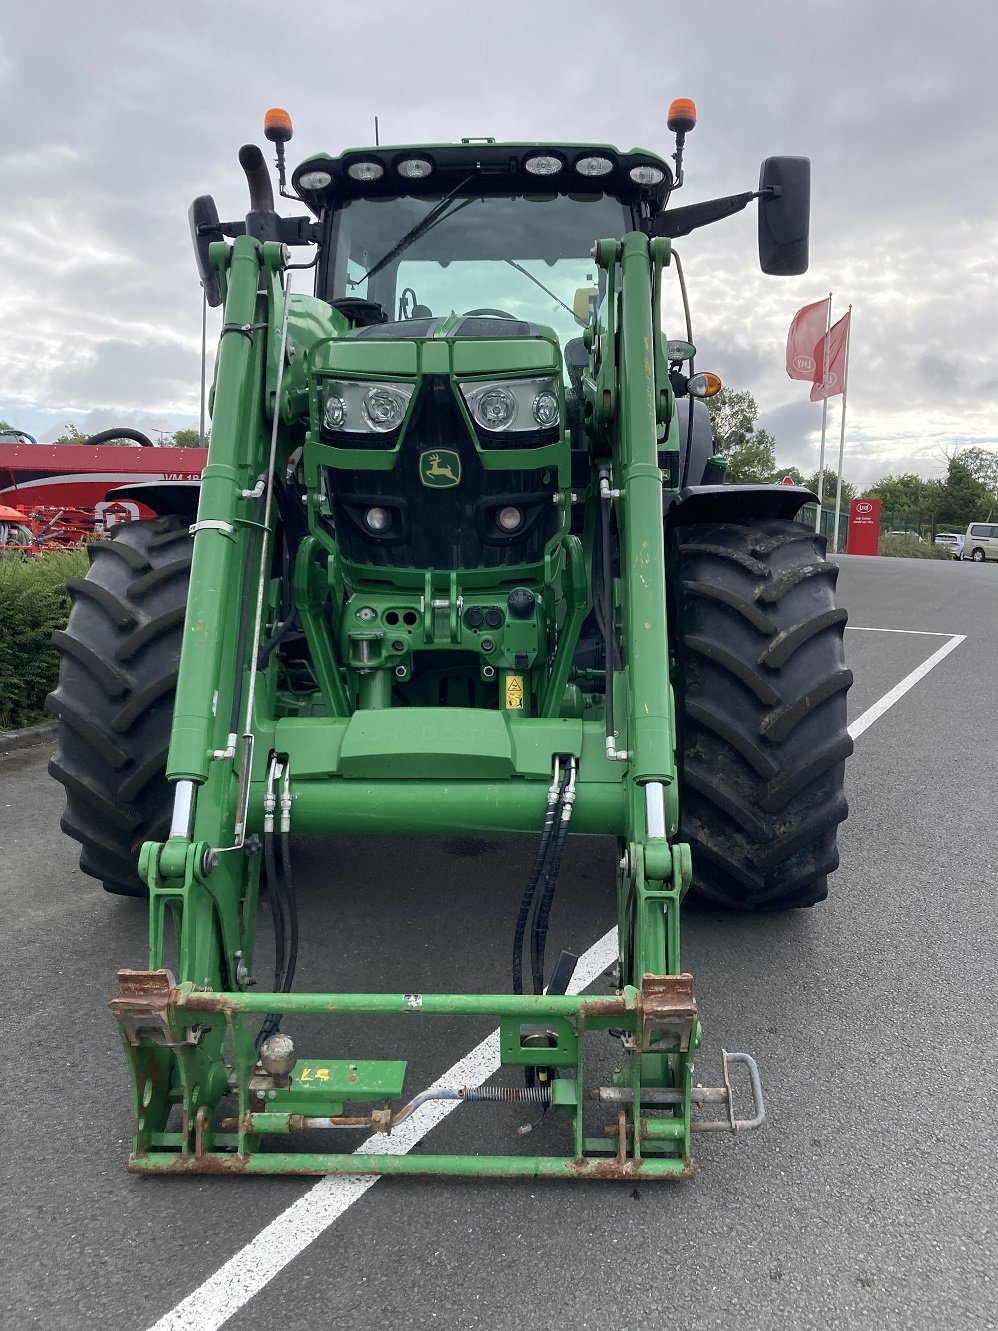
[(114, 701), (761, 702)]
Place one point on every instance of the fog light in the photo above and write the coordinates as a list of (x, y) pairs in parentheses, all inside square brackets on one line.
[(377, 520), (509, 519)]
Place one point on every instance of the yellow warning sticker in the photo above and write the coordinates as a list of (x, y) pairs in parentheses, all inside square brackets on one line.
[(514, 693)]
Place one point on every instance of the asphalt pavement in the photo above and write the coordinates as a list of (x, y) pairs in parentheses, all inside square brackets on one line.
[(868, 1200)]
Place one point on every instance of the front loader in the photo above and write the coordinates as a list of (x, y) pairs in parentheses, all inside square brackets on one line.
[(462, 562)]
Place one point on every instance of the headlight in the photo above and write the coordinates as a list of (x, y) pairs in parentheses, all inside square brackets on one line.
[(335, 413), (545, 409), (516, 406), (383, 408), (353, 406), (494, 408)]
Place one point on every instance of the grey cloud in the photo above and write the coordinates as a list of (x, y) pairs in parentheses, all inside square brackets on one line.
[(124, 113)]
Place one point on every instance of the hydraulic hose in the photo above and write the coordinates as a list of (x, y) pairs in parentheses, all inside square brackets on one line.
[(542, 914), (555, 794)]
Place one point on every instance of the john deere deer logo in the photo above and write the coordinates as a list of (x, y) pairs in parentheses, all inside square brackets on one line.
[(440, 469)]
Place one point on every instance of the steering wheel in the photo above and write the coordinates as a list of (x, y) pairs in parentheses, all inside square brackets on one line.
[(495, 314)]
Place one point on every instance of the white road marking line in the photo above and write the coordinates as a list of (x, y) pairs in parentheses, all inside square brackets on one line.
[(247, 1272), (873, 713), (918, 633)]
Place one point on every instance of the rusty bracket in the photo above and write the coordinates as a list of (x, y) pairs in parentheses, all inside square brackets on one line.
[(667, 1007), (145, 1004)]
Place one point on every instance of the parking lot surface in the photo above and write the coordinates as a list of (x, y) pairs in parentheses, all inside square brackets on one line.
[(868, 1200)]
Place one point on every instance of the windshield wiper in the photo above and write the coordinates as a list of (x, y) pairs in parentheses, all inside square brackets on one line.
[(435, 215), (537, 283)]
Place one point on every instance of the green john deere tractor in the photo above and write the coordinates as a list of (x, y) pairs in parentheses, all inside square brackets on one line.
[(462, 560)]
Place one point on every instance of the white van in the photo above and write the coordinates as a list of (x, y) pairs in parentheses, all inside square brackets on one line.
[(981, 542)]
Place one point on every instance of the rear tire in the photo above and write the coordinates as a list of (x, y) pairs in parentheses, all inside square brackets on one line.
[(761, 703), (120, 652)]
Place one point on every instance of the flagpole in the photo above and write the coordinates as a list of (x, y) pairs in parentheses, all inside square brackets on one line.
[(824, 418), (842, 434)]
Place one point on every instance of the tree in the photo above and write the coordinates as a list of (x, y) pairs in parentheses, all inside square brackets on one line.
[(909, 495), (829, 488), (71, 435), (188, 439), (751, 452), (981, 463), (963, 497)]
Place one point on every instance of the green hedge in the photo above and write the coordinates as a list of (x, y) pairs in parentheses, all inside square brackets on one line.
[(909, 547), (33, 602)]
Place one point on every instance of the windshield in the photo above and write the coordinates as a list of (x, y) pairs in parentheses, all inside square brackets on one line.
[(525, 255)]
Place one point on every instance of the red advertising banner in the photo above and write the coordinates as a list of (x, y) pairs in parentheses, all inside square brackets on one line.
[(864, 527)]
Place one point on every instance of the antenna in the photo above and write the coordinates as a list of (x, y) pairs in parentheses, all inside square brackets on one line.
[(377, 140)]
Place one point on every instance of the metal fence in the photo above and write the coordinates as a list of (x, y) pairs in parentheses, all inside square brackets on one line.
[(809, 512)]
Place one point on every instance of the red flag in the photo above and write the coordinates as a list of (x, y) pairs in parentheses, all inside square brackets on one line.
[(834, 380), (806, 331)]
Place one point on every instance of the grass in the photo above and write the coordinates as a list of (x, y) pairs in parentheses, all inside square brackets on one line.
[(33, 602)]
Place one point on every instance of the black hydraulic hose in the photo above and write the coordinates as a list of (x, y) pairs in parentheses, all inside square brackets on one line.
[(542, 914), (291, 901), (273, 1020), (555, 796), (277, 637)]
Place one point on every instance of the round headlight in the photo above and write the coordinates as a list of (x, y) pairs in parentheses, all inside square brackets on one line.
[(366, 171), (594, 166), (414, 168), (509, 519), (546, 409), (383, 408), (543, 165), (335, 413), (314, 180), (495, 409), (377, 520), (647, 175)]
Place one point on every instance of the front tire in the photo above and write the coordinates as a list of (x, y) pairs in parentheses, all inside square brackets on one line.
[(120, 653), (761, 705), (978, 556)]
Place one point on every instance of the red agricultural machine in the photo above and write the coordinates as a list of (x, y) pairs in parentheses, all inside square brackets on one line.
[(54, 495)]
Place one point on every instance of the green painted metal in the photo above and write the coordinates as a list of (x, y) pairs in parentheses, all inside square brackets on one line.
[(411, 711)]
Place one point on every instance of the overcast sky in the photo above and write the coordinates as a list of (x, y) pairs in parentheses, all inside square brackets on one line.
[(117, 114)]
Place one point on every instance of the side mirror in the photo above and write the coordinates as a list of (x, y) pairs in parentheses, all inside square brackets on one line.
[(205, 227), (584, 305), (784, 215)]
